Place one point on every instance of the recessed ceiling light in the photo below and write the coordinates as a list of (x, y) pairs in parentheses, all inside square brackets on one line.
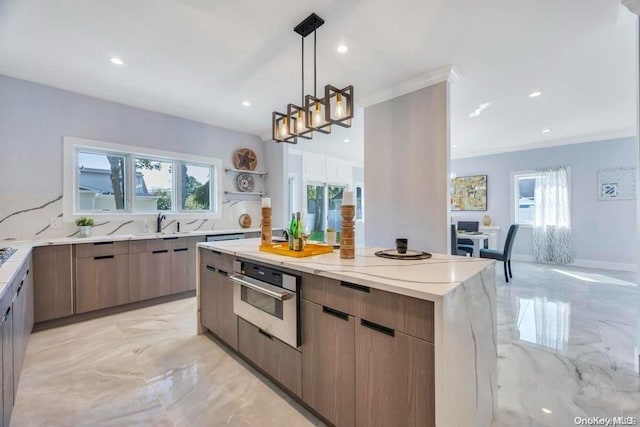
[(546, 130), (116, 60), (546, 411), (454, 146), (246, 103), (480, 109), (342, 48), (346, 140), (535, 94)]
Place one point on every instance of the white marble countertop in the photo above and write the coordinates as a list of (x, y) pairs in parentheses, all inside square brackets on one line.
[(10, 268), (428, 279)]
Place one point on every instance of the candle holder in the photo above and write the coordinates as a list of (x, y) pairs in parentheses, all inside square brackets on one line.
[(266, 226), (347, 233)]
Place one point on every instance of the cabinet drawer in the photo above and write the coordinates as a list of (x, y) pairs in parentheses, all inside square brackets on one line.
[(332, 293), (412, 316), (89, 250), (275, 358), (216, 259), (150, 245)]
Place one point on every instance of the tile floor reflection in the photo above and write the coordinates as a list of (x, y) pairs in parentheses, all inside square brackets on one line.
[(566, 342)]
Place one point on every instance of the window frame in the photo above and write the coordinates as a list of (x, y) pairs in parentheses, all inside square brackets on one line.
[(70, 195), (515, 201)]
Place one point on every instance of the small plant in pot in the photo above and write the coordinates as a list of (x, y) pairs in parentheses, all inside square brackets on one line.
[(330, 236), (84, 224)]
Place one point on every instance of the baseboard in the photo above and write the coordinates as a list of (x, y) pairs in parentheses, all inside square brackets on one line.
[(587, 263)]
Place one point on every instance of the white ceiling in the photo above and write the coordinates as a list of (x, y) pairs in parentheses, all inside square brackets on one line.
[(199, 59)]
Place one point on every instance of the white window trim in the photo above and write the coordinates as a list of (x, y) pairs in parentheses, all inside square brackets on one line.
[(515, 203), (69, 177)]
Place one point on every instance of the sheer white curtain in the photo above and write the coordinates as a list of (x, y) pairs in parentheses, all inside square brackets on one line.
[(552, 226)]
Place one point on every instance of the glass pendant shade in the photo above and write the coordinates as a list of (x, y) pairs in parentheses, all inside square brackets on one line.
[(298, 124), (315, 111), (281, 129), (339, 104)]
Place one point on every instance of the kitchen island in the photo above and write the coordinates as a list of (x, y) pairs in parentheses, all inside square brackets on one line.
[(381, 342)]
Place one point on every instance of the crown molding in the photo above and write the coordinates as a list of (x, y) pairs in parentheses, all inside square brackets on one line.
[(632, 5), (443, 74), (545, 144)]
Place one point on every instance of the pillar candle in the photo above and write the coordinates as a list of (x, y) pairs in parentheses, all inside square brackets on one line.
[(347, 198), (266, 202)]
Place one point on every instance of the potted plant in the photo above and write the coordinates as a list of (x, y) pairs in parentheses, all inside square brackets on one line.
[(84, 224), (330, 236)]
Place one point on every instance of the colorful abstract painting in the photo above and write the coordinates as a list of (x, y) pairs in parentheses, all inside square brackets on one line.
[(469, 193)]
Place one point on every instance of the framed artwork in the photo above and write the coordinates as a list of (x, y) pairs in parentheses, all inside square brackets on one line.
[(469, 193), (617, 184)]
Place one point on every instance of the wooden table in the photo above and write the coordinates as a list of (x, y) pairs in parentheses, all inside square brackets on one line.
[(477, 239)]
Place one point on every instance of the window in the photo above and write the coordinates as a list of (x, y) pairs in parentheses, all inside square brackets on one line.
[(323, 209), (524, 203), (359, 202), (104, 178), (292, 195)]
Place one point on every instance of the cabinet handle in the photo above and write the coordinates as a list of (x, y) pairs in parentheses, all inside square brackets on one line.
[(163, 251), (355, 287), (215, 252), (102, 243), (19, 288), (210, 268), (223, 273), (266, 334), (27, 273), (6, 314), (104, 257), (379, 328), (170, 238), (181, 250), (336, 313)]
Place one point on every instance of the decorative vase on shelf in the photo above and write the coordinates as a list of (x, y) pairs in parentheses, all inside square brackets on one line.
[(486, 220)]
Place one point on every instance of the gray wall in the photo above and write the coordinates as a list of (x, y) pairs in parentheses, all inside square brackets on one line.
[(602, 230), (406, 173), (33, 120)]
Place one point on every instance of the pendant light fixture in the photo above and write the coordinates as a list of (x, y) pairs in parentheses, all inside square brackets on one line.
[(314, 114)]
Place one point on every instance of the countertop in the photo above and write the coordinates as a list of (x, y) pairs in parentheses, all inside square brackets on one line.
[(10, 268), (428, 279)]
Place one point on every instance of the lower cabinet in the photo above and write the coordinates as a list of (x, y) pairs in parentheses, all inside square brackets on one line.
[(274, 357), (7, 364), (328, 363), (216, 304), (183, 269), (52, 281), (150, 274), (101, 282), (394, 378)]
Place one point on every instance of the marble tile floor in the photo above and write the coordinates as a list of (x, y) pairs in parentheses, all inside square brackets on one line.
[(145, 368), (566, 339)]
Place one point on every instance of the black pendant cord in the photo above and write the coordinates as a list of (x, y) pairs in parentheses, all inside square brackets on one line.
[(315, 68), (302, 92)]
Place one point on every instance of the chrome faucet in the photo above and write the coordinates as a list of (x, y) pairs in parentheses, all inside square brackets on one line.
[(159, 219)]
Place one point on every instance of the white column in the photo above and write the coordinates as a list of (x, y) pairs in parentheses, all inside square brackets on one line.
[(406, 163), (634, 7)]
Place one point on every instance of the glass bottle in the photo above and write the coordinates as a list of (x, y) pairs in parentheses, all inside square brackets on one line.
[(291, 231)]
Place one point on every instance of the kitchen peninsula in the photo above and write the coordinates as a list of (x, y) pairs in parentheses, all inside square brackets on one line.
[(379, 341)]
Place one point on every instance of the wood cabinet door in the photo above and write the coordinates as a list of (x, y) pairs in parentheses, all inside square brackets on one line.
[(7, 364), (208, 298), (149, 274), (227, 319), (328, 363), (183, 265), (52, 282), (19, 309), (102, 282), (394, 378)]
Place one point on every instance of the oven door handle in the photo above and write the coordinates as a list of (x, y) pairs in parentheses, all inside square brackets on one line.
[(263, 288)]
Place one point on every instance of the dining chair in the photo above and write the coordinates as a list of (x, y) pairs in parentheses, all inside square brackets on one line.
[(458, 249), (505, 254), (468, 226)]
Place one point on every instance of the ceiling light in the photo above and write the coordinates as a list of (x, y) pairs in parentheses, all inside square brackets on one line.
[(480, 109), (546, 130), (116, 60), (342, 48), (453, 146), (313, 113), (246, 103), (546, 411), (346, 140), (535, 94)]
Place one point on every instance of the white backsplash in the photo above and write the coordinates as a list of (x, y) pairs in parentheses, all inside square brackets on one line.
[(28, 217)]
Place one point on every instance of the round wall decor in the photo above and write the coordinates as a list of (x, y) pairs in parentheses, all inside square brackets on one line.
[(245, 182), (245, 159), (245, 220)]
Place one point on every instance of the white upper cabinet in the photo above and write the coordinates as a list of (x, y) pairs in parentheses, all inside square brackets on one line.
[(339, 171), (314, 167)]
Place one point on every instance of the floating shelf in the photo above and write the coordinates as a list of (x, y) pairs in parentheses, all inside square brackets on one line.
[(243, 171), (245, 193)]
